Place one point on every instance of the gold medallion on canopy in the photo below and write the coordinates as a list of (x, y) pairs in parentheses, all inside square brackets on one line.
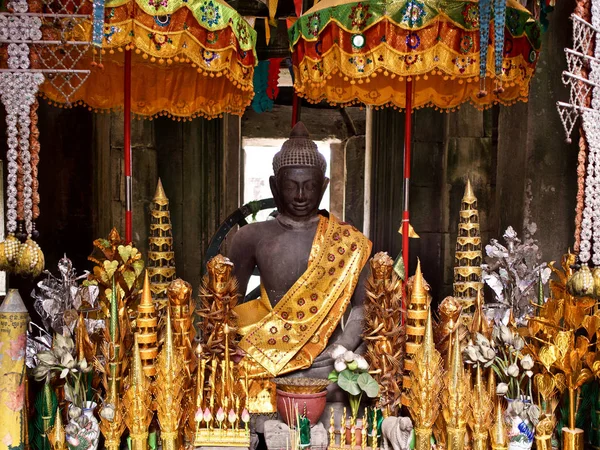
[(348, 52), (189, 58)]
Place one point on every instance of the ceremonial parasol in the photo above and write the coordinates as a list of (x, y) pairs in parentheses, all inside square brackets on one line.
[(412, 53), (189, 58)]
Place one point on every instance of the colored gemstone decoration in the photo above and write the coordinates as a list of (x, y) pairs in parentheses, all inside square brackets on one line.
[(471, 15), (466, 44), (331, 271), (359, 15), (336, 236), (353, 247), (314, 297), (314, 23), (412, 42), (313, 309), (288, 326), (273, 330), (301, 302), (358, 41), (285, 338), (331, 257), (300, 315), (341, 264), (271, 341), (341, 250), (210, 13), (413, 13), (285, 315)]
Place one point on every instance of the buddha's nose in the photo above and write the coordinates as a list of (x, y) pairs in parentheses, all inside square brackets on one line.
[(300, 196)]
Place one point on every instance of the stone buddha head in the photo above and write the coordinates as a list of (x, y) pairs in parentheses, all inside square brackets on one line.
[(299, 180)]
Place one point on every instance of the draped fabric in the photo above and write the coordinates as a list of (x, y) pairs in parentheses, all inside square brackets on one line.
[(346, 52), (190, 58)]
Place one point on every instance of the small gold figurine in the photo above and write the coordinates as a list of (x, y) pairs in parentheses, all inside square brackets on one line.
[(426, 385), (383, 333), (450, 310), (468, 256)]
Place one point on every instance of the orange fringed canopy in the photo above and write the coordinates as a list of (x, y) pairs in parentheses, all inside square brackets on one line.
[(348, 52), (191, 58)]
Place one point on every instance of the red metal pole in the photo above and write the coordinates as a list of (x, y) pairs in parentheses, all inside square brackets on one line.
[(407, 149), (127, 146), (295, 109)]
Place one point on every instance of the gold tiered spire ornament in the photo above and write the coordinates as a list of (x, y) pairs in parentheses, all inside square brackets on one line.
[(169, 389), (426, 386), (498, 432), (147, 323), (468, 256), (179, 295), (416, 316), (114, 348), (222, 386), (456, 400), (383, 333), (56, 434), (161, 257), (482, 411), (138, 402)]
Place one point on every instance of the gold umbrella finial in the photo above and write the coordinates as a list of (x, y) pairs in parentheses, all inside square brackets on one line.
[(418, 289), (469, 195), (146, 300), (160, 196)]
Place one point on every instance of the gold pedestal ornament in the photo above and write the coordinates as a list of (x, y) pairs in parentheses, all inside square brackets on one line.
[(456, 400), (161, 257), (468, 256), (543, 434), (572, 438), (13, 342), (383, 333), (147, 323), (416, 316), (426, 385)]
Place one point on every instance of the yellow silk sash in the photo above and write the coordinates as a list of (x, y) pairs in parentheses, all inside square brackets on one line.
[(290, 335)]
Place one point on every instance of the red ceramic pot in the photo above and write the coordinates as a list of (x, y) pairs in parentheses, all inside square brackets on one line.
[(313, 404)]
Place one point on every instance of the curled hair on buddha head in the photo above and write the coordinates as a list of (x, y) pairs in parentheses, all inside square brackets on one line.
[(299, 151)]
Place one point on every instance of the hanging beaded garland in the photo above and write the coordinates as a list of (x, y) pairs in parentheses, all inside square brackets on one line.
[(18, 92), (499, 22), (485, 14)]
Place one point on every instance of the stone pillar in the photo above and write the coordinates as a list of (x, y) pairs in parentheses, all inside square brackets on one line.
[(537, 180)]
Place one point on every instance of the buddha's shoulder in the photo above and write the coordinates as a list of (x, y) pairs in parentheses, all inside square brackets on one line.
[(257, 230)]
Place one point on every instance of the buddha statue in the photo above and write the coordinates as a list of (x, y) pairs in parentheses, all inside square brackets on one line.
[(311, 269)]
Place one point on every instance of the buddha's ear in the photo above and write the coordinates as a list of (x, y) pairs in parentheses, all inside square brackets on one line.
[(325, 184), (274, 190)]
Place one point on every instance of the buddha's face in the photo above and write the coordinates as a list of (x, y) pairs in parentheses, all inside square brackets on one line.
[(298, 191)]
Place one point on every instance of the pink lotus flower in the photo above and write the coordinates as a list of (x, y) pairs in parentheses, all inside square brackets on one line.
[(199, 416), (207, 415), (220, 415), (245, 416), (232, 416)]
